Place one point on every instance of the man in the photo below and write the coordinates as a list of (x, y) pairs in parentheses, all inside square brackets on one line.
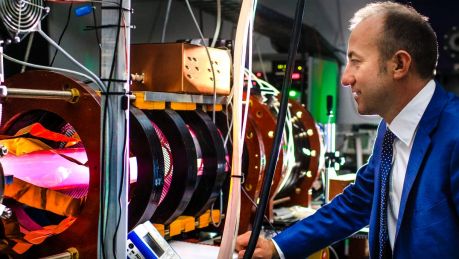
[(408, 192)]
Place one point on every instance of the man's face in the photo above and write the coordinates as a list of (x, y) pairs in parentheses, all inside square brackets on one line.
[(365, 74)]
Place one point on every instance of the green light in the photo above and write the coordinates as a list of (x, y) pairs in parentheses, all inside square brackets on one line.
[(294, 94)]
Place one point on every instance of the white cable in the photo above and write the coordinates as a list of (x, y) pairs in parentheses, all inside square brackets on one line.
[(289, 158), (234, 202), (48, 68), (262, 63), (333, 252), (229, 124), (95, 78), (249, 86), (166, 20), (31, 4), (219, 23), (194, 20), (214, 101)]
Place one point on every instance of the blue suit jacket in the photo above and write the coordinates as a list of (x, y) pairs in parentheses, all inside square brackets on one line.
[(428, 222)]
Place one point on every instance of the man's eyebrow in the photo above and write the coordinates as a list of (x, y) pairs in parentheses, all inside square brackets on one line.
[(352, 54)]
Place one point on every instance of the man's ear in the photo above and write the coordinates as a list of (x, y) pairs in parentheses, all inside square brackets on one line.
[(401, 64)]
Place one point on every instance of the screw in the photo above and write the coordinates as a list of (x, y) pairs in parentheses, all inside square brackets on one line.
[(7, 213), (3, 151)]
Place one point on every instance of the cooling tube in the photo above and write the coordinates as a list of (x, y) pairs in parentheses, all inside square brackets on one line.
[(234, 200), (279, 129)]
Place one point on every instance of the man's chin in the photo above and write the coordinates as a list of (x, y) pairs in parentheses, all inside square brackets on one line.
[(366, 113), (362, 111)]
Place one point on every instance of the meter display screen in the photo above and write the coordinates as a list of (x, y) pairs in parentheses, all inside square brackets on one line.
[(153, 245)]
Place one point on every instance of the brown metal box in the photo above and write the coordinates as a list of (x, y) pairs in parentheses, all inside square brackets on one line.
[(338, 184), (180, 68)]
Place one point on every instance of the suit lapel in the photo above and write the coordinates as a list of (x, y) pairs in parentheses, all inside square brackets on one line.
[(421, 144)]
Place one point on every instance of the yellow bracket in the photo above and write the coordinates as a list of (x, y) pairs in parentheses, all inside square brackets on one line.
[(183, 106), (140, 102), (188, 223), (218, 107)]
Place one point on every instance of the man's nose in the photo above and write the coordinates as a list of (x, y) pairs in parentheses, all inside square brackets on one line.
[(347, 79)]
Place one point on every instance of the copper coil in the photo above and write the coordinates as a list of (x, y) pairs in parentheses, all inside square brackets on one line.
[(213, 174), (84, 116), (145, 146), (184, 159), (167, 160)]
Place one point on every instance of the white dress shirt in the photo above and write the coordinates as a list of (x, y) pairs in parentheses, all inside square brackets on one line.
[(404, 126)]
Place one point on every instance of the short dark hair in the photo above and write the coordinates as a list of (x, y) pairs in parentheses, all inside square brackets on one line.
[(404, 29)]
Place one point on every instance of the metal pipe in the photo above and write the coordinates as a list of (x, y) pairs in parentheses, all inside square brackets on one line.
[(71, 253), (64, 255), (71, 95)]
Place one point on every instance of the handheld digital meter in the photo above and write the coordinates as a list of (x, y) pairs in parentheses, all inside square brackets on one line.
[(145, 242)]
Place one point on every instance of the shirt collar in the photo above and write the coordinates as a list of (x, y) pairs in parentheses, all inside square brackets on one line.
[(404, 125)]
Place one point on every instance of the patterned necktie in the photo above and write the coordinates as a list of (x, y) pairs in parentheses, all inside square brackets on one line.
[(386, 164)]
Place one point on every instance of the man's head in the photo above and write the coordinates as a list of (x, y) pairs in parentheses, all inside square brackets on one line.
[(392, 53), (403, 29)]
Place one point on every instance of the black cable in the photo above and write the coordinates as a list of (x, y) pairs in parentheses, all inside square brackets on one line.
[(123, 173), (279, 130), (201, 24), (94, 18), (99, 47), (69, 15), (112, 70)]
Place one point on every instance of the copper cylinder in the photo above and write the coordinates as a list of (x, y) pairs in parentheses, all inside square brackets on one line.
[(84, 116)]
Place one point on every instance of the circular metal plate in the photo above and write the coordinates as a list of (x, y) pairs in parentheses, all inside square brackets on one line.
[(213, 158), (145, 147), (266, 123), (184, 165), (306, 152)]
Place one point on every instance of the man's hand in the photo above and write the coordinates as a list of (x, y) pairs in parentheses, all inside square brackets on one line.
[(264, 250)]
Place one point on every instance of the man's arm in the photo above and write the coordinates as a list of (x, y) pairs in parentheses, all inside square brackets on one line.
[(454, 171), (346, 214)]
